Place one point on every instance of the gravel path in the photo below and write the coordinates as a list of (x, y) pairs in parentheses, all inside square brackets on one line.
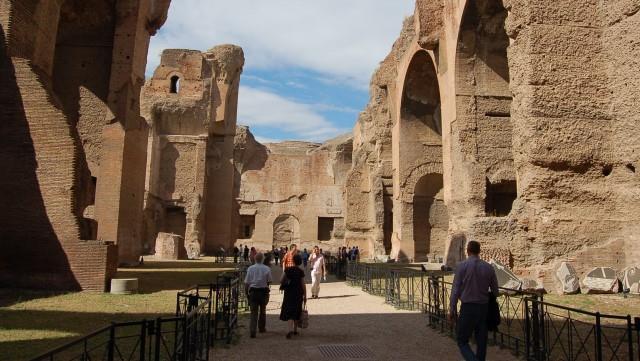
[(345, 315)]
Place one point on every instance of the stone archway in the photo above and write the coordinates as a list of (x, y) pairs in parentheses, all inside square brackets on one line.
[(418, 140), (286, 230), (430, 217), (483, 114)]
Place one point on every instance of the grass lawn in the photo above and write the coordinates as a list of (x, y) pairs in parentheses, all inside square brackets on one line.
[(32, 322)]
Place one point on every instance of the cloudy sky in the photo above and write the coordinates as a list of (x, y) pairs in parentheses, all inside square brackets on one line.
[(308, 62)]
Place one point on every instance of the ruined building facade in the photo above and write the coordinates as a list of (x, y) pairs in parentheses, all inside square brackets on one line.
[(73, 144), (210, 182), (291, 192), (190, 104), (509, 122)]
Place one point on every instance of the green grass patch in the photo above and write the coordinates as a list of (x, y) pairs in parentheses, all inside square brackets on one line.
[(32, 322)]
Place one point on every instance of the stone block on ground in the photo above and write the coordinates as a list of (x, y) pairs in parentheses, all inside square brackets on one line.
[(567, 281), (530, 285), (600, 280), (631, 280), (193, 250), (506, 278), (124, 286), (169, 246)]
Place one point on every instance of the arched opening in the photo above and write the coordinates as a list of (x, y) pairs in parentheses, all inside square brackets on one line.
[(175, 84), (420, 147), (430, 217), (286, 230), (483, 101)]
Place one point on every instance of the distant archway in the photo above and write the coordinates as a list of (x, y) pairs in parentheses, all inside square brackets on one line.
[(430, 217), (175, 84), (286, 230)]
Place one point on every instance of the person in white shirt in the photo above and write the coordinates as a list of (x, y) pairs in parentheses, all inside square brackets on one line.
[(256, 285), (318, 271)]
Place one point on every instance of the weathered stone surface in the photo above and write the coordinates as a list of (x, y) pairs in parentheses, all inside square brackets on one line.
[(567, 279), (193, 250), (600, 280), (631, 280), (506, 278), (190, 104), (291, 192), (530, 285), (169, 246), (124, 286)]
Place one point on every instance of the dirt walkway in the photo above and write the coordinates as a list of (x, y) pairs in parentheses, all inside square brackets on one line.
[(345, 315)]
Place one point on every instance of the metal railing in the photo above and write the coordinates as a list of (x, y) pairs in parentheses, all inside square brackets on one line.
[(530, 328), (204, 314), (176, 338)]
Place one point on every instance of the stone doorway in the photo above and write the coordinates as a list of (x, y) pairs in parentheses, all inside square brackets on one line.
[(430, 217), (286, 230)]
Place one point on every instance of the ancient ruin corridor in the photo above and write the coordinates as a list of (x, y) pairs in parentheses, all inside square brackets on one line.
[(345, 315), (390, 136)]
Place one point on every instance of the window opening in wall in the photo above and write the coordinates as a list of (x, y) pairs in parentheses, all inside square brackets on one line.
[(94, 185), (325, 228), (175, 221), (175, 84), (247, 226), (500, 197)]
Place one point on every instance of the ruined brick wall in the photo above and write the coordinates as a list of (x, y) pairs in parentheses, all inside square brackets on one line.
[(189, 103), (56, 76), (539, 152), (292, 191), (369, 185), (40, 231)]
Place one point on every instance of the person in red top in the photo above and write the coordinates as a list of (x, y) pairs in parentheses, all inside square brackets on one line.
[(287, 261)]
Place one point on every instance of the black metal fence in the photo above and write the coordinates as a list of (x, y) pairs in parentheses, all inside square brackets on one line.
[(205, 314), (531, 328)]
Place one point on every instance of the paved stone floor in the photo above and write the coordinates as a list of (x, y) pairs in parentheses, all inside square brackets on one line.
[(345, 315)]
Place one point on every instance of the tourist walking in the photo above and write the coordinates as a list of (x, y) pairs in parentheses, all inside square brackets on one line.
[(236, 253), (295, 294), (256, 285), (276, 254), (245, 253), (287, 260), (252, 255), (305, 258), (318, 271), (473, 279)]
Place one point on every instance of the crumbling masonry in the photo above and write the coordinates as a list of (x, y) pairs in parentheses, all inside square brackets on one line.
[(506, 122)]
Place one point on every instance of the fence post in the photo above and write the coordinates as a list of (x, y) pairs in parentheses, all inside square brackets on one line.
[(637, 322), (598, 338), (112, 342), (143, 340), (527, 330), (158, 335)]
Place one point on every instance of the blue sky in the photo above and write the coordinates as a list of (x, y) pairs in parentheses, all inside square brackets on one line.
[(308, 62)]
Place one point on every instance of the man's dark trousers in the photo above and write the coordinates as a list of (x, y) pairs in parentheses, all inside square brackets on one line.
[(258, 299), (472, 319)]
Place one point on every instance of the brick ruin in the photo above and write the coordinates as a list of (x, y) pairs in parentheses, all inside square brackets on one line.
[(505, 122), (71, 75), (511, 122), (190, 104)]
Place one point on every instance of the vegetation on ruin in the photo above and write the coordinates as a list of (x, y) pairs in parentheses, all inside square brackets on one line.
[(32, 322)]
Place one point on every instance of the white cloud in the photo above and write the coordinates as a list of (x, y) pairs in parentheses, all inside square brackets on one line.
[(265, 109), (343, 39)]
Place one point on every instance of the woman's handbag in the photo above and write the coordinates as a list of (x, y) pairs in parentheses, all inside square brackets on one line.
[(304, 317), (285, 282)]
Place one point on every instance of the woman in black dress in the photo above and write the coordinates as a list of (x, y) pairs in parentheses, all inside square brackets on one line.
[(295, 293)]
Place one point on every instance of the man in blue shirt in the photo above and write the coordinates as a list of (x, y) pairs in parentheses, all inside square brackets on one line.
[(256, 285), (473, 281)]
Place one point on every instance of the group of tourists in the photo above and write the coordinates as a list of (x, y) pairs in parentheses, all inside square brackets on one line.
[(292, 283), (351, 254), (475, 285)]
